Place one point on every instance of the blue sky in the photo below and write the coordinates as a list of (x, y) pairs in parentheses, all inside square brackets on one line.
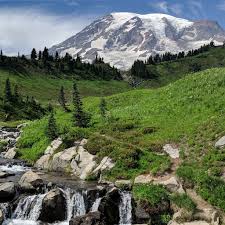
[(37, 23)]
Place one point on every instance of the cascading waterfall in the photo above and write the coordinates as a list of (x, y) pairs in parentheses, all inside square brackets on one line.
[(125, 209), (75, 203), (96, 204), (29, 208), (78, 204)]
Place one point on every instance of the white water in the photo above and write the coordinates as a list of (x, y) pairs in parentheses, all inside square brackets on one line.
[(13, 168), (75, 204), (125, 209), (96, 204), (29, 208)]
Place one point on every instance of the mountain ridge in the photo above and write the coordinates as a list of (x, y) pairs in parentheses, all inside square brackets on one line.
[(122, 38)]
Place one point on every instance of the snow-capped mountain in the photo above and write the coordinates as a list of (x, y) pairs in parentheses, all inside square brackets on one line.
[(121, 38)]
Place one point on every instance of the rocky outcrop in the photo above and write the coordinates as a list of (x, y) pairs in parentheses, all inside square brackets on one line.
[(143, 179), (172, 184), (43, 162), (172, 151), (30, 181), (105, 164), (76, 160), (10, 136), (220, 143), (53, 207), (83, 164), (61, 161), (109, 207), (7, 191), (10, 154)]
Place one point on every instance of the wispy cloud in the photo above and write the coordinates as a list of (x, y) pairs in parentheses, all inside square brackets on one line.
[(166, 7), (161, 6), (22, 29)]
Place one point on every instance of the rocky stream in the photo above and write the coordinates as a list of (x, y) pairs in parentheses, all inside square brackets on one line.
[(30, 196)]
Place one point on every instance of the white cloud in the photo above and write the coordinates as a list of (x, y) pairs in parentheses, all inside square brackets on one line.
[(161, 6), (166, 7), (22, 29)]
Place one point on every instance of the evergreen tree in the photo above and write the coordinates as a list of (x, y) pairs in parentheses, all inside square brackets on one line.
[(56, 56), (139, 69), (45, 54), (62, 99), (103, 107), (33, 54), (16, 94), (50, 108), (51, 131), (39, 55), (81, 119), (8, 92)]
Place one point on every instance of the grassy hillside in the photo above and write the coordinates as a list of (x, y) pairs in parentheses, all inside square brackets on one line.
[(188, 112), (46, 88), (167, 72)]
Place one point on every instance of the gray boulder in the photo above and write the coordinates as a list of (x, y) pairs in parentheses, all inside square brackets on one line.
[(10, 154), (53, 207), (7, 191), (109, 207), (30, 181), (220, 143)]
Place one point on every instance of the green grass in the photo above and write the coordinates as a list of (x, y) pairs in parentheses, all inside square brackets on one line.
[(183, 201), (153, 194), (46, 89), (189, 112)]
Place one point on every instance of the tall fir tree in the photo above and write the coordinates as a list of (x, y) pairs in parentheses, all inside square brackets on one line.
[(33, 54), (81, 119), (51, 131), (103, 107), (62, 99), (16, 95), (39, 55), (8, 91), (45, 54)]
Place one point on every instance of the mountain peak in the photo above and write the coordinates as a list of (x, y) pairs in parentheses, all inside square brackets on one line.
[(122, 37)]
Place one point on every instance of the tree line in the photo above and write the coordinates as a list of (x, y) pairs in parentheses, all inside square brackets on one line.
[(15, 106), (139, 68), (56, 65)]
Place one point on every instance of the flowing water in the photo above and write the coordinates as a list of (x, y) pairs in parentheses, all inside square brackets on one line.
[(125, 209), (28, 208), (96, 204)]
